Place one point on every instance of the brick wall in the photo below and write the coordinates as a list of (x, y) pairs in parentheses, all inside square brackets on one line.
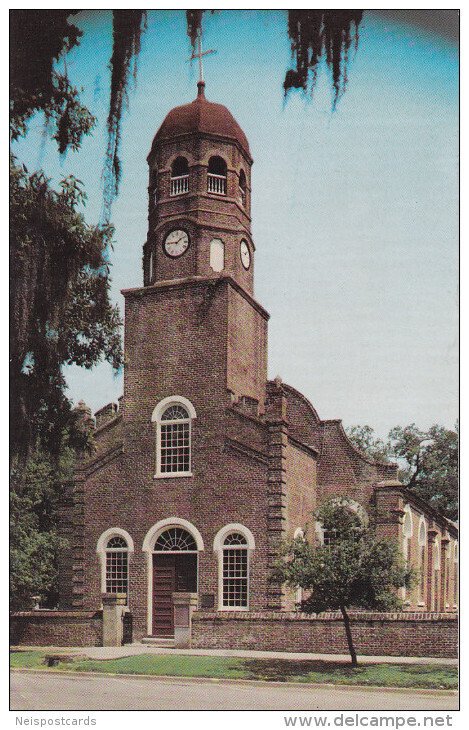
[(56, 628), (400, 634)]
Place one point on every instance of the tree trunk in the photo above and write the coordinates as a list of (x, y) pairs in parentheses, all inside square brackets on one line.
[(348, 632)]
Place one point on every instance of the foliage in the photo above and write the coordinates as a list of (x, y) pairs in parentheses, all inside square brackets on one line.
[(314, 35), (38, 39), (354, 570), (428, 460), (127, 30), (364, 439), (35, 490), (430, 464), (59, 303)]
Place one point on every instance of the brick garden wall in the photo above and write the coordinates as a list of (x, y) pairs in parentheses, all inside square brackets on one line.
[(56, 628), (399, 634)]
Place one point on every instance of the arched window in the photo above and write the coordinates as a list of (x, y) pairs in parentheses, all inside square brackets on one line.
[(436, 575), (407, 530), (151, 266), (175, 540), (113, 549), (117, 565), (216, 176), (235, 571), (242, 188), (234, 544), (173, 417), (447, 574), (179, 176), (422, 545)]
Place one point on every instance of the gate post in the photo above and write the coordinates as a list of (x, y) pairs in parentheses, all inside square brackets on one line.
[(184, 605), (114, 607)]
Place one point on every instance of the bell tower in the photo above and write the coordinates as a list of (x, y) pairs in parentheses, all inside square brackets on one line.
[(199, 222), (194, 328)]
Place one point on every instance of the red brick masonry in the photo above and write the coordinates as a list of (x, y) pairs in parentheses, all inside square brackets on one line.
[(393, 634), (387, 634), (56, 628)]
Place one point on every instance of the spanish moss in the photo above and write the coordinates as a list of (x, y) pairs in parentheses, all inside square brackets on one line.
[(318, 34), (127, 30)]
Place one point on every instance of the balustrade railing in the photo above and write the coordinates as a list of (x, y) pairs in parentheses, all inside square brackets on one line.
[(216, 184), (179, 185)]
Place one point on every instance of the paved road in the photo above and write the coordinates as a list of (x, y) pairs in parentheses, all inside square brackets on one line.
[(30, 691)]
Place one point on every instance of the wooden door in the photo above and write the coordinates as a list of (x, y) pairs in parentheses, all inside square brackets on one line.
[(171, 573), (164, 584)]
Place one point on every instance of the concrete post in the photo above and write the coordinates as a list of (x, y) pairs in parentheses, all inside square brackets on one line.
[(114, 607), (184, 605)]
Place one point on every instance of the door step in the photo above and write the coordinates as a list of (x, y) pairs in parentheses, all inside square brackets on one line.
[(162, 642)]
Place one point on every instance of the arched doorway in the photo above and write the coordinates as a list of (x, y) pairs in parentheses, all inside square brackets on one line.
[(172, 548)]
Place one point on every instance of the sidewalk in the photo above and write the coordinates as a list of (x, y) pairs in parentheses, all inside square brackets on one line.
[(117, 652)]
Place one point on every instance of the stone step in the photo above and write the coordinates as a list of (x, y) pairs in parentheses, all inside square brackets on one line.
[(162, 642)]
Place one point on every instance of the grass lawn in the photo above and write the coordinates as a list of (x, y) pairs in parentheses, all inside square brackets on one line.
[(428, 676)]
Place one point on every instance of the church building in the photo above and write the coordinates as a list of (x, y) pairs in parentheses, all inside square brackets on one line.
[(205, 466)]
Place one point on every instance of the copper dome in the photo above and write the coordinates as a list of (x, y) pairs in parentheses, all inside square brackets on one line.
[(204, 117)]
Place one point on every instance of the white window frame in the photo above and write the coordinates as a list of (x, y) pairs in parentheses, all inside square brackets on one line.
[(173, 400), (218, 545), (101, 550)]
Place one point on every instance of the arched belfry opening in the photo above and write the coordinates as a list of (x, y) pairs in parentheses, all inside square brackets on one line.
[(199, 223), (242, 188), (179, 176), (216, 175)]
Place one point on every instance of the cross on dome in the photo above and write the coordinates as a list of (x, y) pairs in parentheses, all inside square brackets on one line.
[(199, 55)]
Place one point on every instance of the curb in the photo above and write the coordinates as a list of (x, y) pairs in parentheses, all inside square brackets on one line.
[(243, 682)]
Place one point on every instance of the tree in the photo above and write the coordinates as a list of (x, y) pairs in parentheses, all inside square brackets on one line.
[(34, 539), (429, 464), (59, 303), (353, 570), (364, 439), (428, 460), (39, 39)]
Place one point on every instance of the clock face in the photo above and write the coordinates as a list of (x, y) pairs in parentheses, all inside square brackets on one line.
[(245, 254), (176, 243)]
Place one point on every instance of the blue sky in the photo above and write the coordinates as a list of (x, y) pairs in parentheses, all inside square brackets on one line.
[(355, 213)]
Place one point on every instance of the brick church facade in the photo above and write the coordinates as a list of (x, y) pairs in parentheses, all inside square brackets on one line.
[(205, 466)]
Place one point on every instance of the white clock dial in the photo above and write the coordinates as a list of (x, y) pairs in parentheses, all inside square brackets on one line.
[(176, 243), (245, 254)]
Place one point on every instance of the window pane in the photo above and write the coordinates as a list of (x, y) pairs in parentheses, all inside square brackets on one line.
[(235, 578), (174, 413), (175, 447), (116, 572), (175, 539)]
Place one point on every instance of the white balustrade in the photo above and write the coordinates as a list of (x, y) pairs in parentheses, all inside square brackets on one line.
[(179, 185), (216, 184)]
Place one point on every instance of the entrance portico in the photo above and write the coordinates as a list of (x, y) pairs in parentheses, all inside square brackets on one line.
[(172, 546)]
